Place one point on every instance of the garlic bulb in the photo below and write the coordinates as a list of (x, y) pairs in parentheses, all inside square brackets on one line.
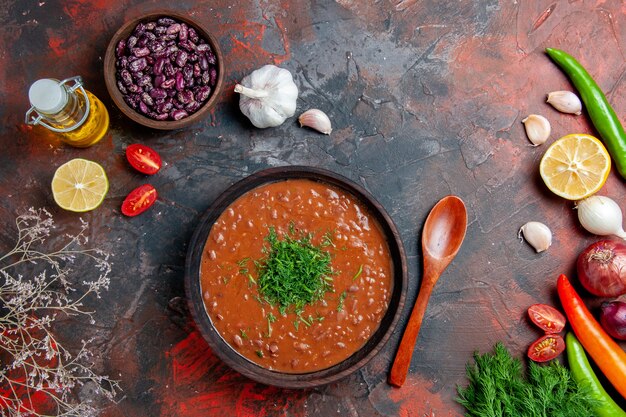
[(601, 215), (316, 119), (565, 102), (268, 96), (537, 234), (537, 129)]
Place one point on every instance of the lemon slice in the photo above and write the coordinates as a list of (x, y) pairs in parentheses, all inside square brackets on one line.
[(575, 166), (79, 185)]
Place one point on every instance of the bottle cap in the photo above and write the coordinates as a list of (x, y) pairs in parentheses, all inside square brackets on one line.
[(47, 96)]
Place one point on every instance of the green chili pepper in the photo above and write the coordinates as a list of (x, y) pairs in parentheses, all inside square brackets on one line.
[(600, 111), (583, 374)]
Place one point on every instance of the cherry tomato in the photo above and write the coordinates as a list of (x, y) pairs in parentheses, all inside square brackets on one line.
[(547, 318), (143, 158), (139, 200), (546, 348)]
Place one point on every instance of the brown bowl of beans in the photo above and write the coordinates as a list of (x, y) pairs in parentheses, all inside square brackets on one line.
[(163, 70), (296, 276)]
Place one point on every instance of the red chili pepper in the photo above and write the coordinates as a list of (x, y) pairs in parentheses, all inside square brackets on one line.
[(606, 353)]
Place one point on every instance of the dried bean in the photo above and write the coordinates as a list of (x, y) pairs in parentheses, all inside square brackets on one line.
[(190, 82), (197, 71), (178, 114), (173, 28), (168, 83), (202, 93), (121, 87), (144, 81), (192, 107), (185, 96), (164, 107), (169, 69), (159, 30), (187, 45), (122, 62), (120, 48), (156, 46), (187, 72), (183, 33), (158, 80), (150, 60), (133, 88), (203, 47), (193, 57), (180, 81), (213, 75), (210, 56), (206, 78), (143, 107), (157, 93), (158, 66), (150, 26), (181, 58), (204, 62), (171, 92), (193, 35), (139, 52), (132, 41), (146, 98), (142, 41), (172, 49), (162, 116), (138, 65), (166, 21), (126, 77), (132, 100)]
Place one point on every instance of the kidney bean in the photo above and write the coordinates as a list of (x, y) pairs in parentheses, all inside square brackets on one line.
[(188, 72), (150, 26), (160, 30), (197, 71), (171, 92), (134, 88), (150, 36), (193, 57), (185, 96), (213, 75), (202, 93), (156, 46), (203, 47), (164, 107), (126, 77), (169, 69), (171, 49), (189, 46), (142, 41), (168, 83), (178, 114), (143, 107), (139, 29), (161, 116), (183, 33), (205, 78), (139, 52), (121, 87), (180, 81), (144, 81), (146, 98), (158, 80), (158, 93), (120, 48), (157, 69), (173, 28), (165, 21), (192, 107), (150, 60), (204, 62), (132, 100), (181, 58), (131, 42), (122, 62), (138, 65), (193, 35), (210, 56)]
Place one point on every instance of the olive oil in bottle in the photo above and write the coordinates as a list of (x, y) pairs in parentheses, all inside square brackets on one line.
[(73, 112)]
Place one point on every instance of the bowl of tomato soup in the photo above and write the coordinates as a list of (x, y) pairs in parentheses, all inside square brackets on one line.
[(296, 276)]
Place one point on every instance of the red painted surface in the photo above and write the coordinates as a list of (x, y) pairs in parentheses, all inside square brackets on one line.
[(426, 99)]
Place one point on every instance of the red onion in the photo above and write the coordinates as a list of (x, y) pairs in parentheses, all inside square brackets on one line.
[(613, 319), (602, 268)]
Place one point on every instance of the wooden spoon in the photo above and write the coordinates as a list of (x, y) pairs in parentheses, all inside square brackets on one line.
[(443, 234)]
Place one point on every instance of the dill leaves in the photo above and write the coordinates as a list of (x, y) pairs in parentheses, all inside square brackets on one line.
[(294, 272), (499, 388)]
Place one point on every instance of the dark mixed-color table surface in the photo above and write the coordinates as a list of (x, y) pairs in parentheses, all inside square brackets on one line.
[(426, 99)]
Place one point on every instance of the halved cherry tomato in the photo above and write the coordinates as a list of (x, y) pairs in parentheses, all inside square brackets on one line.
[(546, 348), (143, 158), (139, 200), (547, 318)]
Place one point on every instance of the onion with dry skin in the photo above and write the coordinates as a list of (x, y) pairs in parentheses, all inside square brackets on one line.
[(602, 268)]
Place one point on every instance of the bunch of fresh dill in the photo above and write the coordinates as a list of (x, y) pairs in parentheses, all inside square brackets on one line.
[(498, 388)]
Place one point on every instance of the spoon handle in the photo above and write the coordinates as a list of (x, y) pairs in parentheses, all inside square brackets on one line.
[(401, 363)]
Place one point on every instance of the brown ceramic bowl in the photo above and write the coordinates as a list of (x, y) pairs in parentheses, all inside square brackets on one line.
[(229, 355), (111, 81)]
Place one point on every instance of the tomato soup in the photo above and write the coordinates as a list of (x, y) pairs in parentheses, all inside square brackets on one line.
[(319, 334)]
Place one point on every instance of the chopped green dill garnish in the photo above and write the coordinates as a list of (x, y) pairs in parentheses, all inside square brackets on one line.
[(319, 318), (342, 298), (251, 281), (226, 280), (259, 353), (282, 310), (242, 263), (358, 273), (294, 272), (296, 324), (308, 321), (243, 333), (271, 318), (327, 239)]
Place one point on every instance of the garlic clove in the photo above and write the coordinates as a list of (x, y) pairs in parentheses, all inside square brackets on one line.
[(565, 102), (316, 119), (537, 234), (537, 129)]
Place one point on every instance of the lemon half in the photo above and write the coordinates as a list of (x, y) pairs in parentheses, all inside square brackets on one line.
[(79, 185)]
